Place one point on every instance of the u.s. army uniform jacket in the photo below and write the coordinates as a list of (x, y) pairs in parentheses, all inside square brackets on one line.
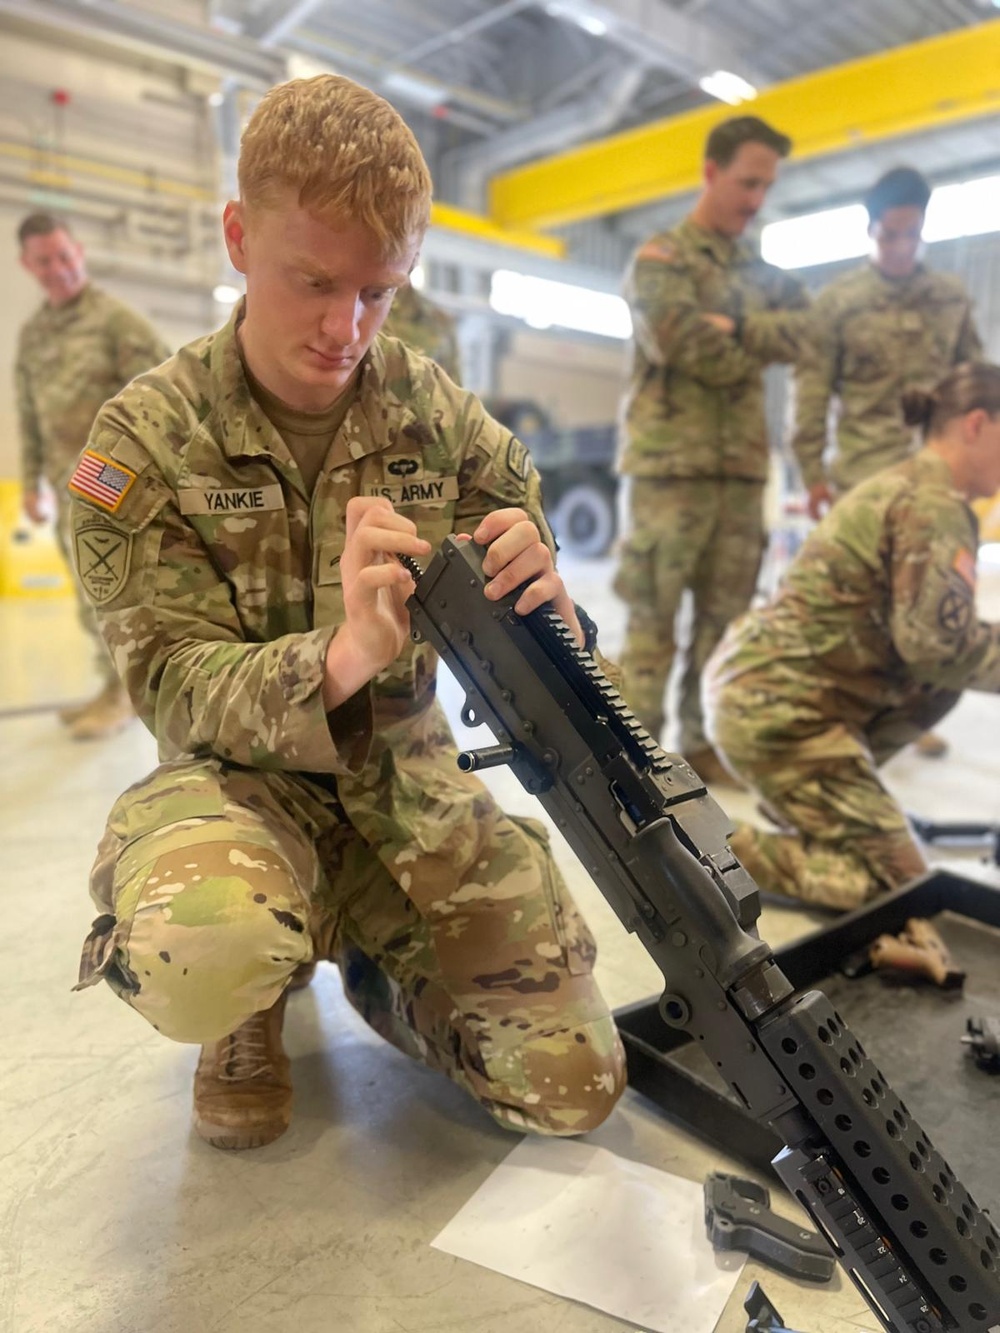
[(216, 578)]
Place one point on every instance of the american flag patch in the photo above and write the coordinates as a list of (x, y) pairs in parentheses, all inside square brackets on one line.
[(97, 478)]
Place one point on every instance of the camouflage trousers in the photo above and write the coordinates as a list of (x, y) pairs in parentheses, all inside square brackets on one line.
[(215, 882), (843, 837), (85, 612), (706, 535)]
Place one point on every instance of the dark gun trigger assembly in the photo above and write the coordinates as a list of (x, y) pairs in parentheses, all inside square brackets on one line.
[(738, 1216)]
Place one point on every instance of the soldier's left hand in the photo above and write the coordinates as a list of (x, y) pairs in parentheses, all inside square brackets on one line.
[(516, 554)]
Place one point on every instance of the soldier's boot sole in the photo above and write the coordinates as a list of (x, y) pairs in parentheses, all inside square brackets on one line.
[(243, 1085)]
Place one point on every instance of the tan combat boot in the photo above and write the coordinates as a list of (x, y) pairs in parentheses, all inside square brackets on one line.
[(105, 715), (243, 1084)]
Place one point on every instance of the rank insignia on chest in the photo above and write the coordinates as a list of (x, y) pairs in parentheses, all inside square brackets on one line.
[(101, 480)]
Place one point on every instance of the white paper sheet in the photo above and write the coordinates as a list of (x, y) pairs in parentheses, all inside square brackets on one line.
[(583, 1223)]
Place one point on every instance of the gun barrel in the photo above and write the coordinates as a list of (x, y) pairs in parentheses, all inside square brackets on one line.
[(490, 756)]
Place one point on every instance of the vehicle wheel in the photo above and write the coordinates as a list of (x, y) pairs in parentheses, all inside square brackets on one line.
[(583, 519)]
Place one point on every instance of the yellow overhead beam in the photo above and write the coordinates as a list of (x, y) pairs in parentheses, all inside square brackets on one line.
[(449, 218), (936, 82)]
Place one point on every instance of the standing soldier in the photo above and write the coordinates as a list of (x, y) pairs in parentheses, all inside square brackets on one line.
[(869, 640), (75, 352), (420, 323), (708, 315), (309, 805), (890, 326)]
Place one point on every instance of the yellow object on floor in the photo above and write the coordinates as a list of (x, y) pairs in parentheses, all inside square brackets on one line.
[(31, 564), (988, 513)]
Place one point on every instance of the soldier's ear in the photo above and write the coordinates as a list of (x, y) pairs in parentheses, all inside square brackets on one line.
[(234, 233)]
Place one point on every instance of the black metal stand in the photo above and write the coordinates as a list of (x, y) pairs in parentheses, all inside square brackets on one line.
[(663, 1066)]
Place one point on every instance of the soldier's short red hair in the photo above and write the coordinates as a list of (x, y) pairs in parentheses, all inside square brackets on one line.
[(346, 153)]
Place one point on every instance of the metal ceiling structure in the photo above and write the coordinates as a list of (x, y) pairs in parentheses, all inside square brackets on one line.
[(489, 87)]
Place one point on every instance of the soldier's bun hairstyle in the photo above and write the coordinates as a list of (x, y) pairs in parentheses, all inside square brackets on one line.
[(903, 187), (970, 386), (347, 155), (729, 136)]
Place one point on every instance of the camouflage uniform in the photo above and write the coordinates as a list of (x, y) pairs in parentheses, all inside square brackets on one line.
[(868, 641), (70, 359), (694, 442), (272, 833), (418, 322), (874, 338)]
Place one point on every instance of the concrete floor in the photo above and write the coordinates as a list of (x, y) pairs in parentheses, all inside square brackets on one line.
[(115, 1219)]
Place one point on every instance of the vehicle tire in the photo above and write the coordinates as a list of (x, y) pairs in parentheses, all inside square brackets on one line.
[(583, 518)]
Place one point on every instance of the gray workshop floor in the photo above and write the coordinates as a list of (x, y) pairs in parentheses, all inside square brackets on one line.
[(114, 1219)]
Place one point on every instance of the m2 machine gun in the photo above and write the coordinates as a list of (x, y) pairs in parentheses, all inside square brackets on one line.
[(923, 1255)]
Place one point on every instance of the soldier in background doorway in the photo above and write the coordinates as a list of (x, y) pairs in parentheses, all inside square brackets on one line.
[(421, 323), (889, 326), (708, 315), (77, 350)]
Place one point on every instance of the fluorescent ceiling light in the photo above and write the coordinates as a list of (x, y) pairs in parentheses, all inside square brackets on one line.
[(225, 294), (969, 208), (592, 24), (544, 304), (727, 87)]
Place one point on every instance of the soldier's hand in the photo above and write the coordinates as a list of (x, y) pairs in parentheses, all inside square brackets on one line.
[(516, 554), (819, 500), (35, 506), (724, 323), (376, 587)]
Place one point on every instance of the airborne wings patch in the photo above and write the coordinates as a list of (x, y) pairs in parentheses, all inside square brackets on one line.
[(101, 481), (103, 553)]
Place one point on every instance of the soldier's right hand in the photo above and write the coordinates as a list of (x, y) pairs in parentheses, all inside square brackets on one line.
[(376, 587), (35, 506), (819, 501)]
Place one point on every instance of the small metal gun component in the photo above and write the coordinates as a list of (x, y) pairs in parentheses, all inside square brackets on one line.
[(982, 1036), (764, 1318), (738, 1216)]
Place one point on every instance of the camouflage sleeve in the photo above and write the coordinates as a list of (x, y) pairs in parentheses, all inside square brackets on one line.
[(933, 618), (780, 333), (173, 631), (667, 323), (138, 347), (497, 472), (816, 380), (969, 346), (32, 445)]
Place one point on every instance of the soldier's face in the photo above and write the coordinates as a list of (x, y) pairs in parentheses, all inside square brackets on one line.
[(316, 297), (57, 265), (982, 454), (896, 235), (736, 192)]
